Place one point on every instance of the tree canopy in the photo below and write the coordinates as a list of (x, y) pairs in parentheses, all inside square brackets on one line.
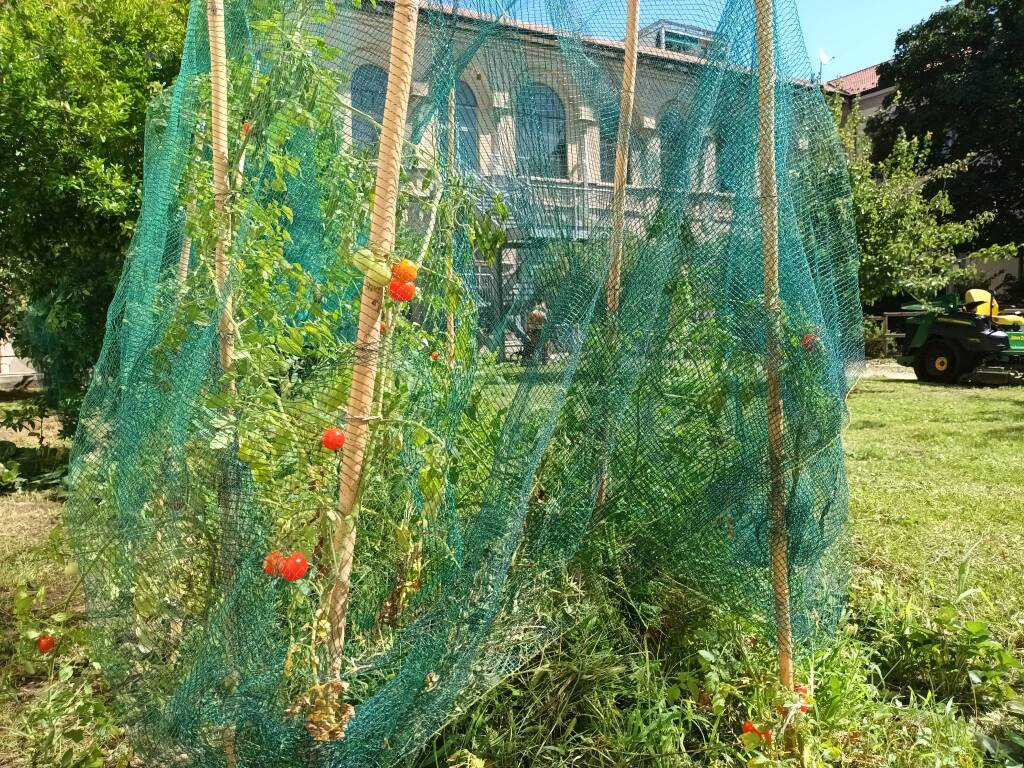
[(76, 77), (910, 242), (959, 77)]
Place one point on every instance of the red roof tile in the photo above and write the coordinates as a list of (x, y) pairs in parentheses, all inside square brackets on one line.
[(861, 81)]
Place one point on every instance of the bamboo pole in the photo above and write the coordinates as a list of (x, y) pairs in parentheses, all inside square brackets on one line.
[(221, 190), (450, 320), (767, 182), (364, 374), (619, 191), (221, 193), (184, 258), (622, 153)]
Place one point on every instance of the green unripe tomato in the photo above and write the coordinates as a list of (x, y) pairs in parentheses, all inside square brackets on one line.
[(376, 270)]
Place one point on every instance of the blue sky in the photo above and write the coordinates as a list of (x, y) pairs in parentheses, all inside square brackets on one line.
[(858, 33)]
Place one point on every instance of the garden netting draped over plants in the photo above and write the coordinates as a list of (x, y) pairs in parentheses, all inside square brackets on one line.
[(527, 436)]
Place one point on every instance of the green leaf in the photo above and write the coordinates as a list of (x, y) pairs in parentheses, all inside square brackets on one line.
[(222, 440), (946, 615), (976, 628), (750, 740)]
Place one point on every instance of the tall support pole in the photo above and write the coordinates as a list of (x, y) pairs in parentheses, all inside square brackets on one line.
[(450, 320), (622, 154), (184, 258), (626, 101), (364, 374), (768, 187), (221, 190)]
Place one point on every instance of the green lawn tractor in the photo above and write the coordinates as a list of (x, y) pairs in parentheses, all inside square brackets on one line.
[(969, 341)]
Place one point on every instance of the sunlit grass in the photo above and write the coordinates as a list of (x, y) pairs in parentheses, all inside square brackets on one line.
[(937, 476)]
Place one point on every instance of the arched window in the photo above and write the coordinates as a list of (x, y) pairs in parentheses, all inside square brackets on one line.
[(369, 87), (670, 135), (609, 129), (540, 132), (467, 132)]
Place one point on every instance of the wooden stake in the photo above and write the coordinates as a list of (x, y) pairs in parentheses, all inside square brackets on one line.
[(619, 191), (184, 258), (451, 218), (622, 153), (767, 163), (364, 374), (219, 129), (221, 190)]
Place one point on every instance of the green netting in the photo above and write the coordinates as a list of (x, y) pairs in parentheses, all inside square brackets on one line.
[(525, 440)]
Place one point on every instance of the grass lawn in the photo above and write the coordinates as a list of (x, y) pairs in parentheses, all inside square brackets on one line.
[(937, 476), (935, 480)]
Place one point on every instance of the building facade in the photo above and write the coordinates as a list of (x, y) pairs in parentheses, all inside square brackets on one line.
[(520, 113), (15, 373), (530, 127)]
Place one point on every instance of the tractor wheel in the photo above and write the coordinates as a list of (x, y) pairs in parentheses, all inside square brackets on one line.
[(938, 363)]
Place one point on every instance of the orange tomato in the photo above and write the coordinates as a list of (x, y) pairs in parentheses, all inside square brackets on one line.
[(404, 271)]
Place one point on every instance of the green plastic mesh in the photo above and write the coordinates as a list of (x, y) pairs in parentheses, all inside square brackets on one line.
[(513, 458)]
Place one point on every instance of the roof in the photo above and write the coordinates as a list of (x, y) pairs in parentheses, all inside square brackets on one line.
[(543, 30), (469, 16), (855, 83)]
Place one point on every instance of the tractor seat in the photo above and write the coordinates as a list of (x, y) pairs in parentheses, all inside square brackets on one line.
[(984, 304)]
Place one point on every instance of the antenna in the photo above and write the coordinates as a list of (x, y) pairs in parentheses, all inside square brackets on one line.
[(823, 59)]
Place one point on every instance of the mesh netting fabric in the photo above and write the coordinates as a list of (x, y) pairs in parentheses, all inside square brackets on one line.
[(525, 434)]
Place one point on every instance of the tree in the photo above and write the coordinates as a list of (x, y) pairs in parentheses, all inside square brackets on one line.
[(910, 244), (76, 77), (960, 77)]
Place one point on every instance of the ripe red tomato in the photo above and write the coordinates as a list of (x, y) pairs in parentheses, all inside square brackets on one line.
[(383, 327), (333, 439), (272, 563), (808, 341), (404, 271), (45, 643), (294, 568), (401, 291), (749, 727), (435, 355)]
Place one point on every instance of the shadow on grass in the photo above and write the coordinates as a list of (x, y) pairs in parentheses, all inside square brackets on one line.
[(33, 455)]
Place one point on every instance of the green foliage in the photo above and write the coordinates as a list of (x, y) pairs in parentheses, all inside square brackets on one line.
[(937, 649), (64, 715), (479, 526), (30, 462), (630, 683), (943, 651), (959, 77), (76, 77), (911, 244), (672, 685)]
